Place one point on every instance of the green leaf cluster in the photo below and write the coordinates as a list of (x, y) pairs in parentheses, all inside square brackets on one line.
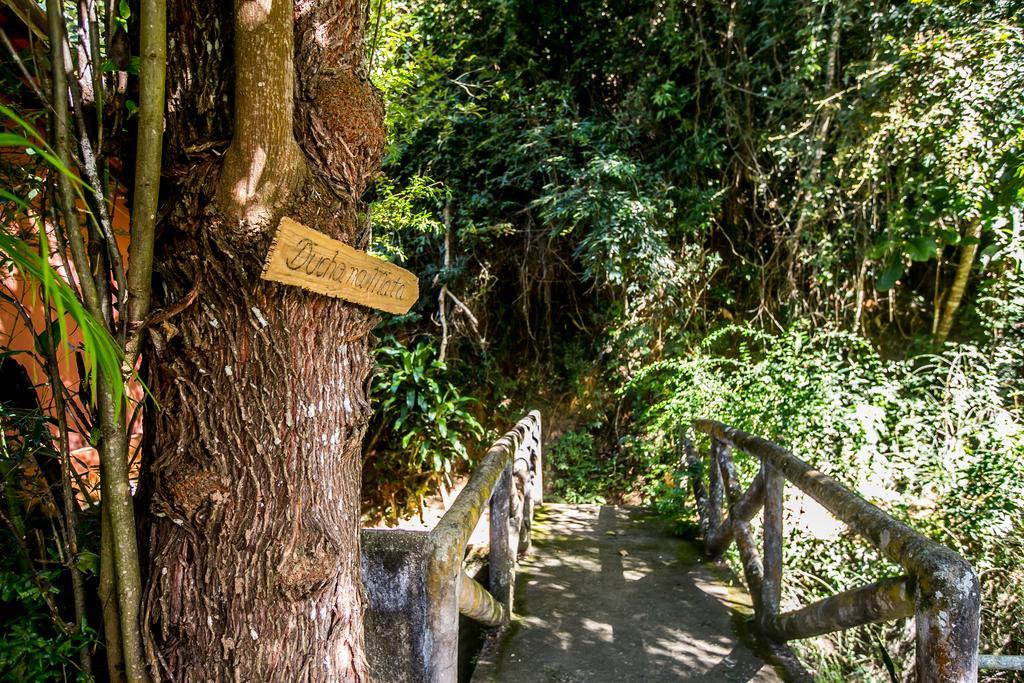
[(937, 441), (420, 428)]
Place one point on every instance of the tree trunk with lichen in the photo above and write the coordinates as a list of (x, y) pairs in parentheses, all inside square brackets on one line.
[(253, 459), (968, 253)]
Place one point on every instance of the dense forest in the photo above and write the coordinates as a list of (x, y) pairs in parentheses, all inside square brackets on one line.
[(804, 219)]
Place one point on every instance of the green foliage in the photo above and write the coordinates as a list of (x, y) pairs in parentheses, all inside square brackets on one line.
[(670, 500), (937, 441), (35, 144), (400, 212), (778, 158), (622, 179), (37, 641), (32, 646), (581, 475), (419, 428), (946, 135), (100, 351)]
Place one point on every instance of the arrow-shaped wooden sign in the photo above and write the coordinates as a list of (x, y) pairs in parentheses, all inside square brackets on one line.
[(309, 259)]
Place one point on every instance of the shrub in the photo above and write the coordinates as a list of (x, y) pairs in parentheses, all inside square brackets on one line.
[(418, 430), (937, 440), (39, 640), (580, 475)]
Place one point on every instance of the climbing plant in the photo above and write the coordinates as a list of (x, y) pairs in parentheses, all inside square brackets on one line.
[(936, 440)]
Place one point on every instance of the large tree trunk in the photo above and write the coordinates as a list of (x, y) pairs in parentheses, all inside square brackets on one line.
[(253, 473)]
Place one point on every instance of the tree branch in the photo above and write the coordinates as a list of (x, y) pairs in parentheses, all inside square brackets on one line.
[(264, 166), (148, 156)]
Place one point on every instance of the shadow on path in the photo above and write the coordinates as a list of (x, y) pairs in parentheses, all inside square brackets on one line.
[(607, 595)]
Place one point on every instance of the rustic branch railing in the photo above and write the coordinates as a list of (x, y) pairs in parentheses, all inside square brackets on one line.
[(940, 588), (416, 583), (512, 460)]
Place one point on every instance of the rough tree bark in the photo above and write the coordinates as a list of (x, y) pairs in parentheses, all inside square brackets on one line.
[(253, 473)]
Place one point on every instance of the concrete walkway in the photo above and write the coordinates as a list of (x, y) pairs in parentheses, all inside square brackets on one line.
[(607, 595)]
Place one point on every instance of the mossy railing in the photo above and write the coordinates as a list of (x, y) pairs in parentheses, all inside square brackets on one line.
[(416, 584), (939, 588)]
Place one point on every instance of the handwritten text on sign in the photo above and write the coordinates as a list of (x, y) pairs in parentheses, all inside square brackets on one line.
[(309, 259)]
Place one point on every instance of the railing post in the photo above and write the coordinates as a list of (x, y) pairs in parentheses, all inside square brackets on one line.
[(716, 497), (412, 588), (695, 470), (948, 622), (752, 569), (399, 599), (502, 556), (771, 593), (444, 579), (536, 465), (517, 511), (532, 475)]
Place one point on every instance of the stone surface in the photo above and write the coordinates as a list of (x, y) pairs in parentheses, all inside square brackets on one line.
[(607, 595), (395, 622)]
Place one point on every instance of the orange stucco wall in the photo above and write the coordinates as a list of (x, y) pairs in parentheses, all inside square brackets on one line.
[(18, 334)]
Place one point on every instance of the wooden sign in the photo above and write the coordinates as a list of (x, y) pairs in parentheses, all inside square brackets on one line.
[(309, 259)]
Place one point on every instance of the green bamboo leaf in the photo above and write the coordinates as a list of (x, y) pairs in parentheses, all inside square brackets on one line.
[(11, 197), (40, 147), (101, 351)]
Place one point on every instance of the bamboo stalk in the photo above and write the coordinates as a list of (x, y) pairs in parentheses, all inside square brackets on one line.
[(148, 155), (100, 216), (59, 101), (108, 600), (116, 491), (67, 495), (117, 496)]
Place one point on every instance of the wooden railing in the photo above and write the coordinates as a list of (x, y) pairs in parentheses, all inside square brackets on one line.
[(509, 479), (416, 583), (939, 588)]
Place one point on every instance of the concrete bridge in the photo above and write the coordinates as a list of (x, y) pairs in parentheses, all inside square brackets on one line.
[(607, 594), (610, 595)]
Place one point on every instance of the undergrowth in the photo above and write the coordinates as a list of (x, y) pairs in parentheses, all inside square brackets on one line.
[(937, 441)]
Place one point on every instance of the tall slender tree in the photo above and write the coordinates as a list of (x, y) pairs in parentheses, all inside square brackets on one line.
[(253, 472)]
